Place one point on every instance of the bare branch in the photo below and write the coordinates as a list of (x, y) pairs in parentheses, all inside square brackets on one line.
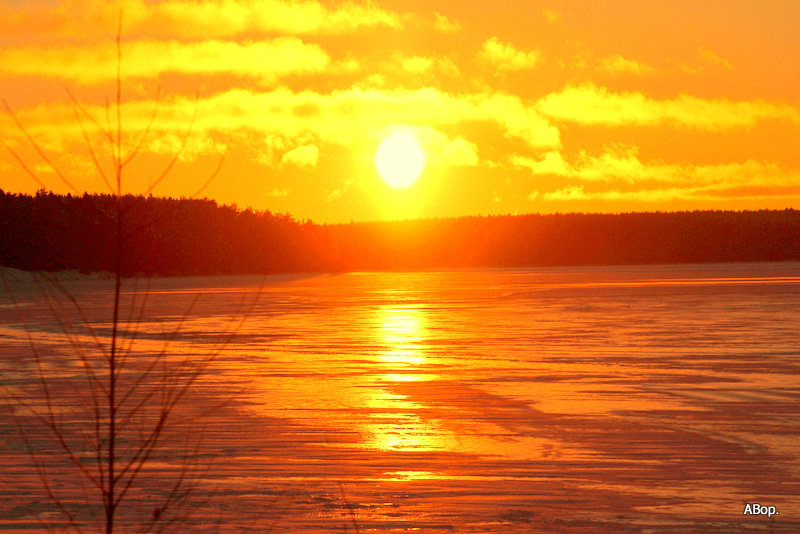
[(119, 105), (36, 147), (173, 397), (210, 178), (141, 456), (95, 161), (110, 136), (106, 133), (25, 166), (92, 378), (49, 420), (177, 153), (60, 317), (46, 483), (78, 309), (138, 146), (134, 322), (143, 375), (148, 399), (172, 496)]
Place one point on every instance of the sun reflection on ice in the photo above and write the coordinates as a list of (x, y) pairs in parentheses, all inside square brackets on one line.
[(402, 331), (396, 423)]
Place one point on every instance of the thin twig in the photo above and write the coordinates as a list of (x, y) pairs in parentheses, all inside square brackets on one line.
[(210, 178), (89, 146), (177, 152), (36, 147), (106, 132), (135, 151), (25, 166)]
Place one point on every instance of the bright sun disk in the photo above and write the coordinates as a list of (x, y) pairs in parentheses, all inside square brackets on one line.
[(399, 159)]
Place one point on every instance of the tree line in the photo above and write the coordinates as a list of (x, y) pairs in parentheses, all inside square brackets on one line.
[(180, 236)]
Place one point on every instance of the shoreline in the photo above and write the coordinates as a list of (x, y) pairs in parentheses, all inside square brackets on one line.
[(15, 274)]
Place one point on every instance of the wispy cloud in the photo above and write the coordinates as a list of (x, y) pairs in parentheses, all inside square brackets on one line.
[(665, 195), (279, 192), (349, 118), (590, 104), (620, 65), (337, 193), (551, 15), (266, 60), (621, 164), (442, 150), (710, 56), (445, 24), (231, 17), (505, 57), (189, 19), (305, 157)]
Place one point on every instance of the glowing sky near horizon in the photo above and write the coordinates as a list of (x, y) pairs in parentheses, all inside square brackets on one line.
[(519, 107)]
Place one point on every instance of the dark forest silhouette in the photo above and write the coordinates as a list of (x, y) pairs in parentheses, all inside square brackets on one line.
[(168, 236)]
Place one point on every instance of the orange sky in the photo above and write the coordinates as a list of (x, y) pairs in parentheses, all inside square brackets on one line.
[(520, 107)]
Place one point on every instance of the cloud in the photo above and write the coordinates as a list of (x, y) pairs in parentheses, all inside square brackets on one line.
[(578, 193), (552, 163), (617, 164), (589, 104), (460, 152), (551, 15), (710, 56), (567, 193), (306, 156), (420, 65), (279, 192), (190, 19), (709, 60), (267, 60), (704, 194), (176, 143), (504, 57), (230, 17), (349, 117), (417, 64), (621, 164), (268, 122), (337, 193), (619, 65), (444, 24), (442, 150)]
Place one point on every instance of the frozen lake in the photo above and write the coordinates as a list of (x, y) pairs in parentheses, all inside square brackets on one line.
[(593, 399)]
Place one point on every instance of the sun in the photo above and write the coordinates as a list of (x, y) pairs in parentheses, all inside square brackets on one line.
[(399, 159)]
